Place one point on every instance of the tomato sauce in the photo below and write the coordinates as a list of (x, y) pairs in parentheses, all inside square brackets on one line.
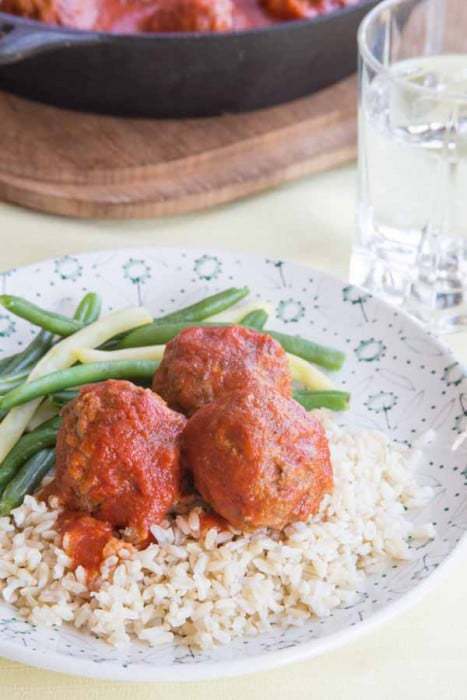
[(85, 540), (134, 16), (207, 521)]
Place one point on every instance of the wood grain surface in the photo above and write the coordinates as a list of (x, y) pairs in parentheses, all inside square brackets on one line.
[(92, 166)]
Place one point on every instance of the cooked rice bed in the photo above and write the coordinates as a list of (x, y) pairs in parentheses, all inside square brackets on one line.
[(204, 589)]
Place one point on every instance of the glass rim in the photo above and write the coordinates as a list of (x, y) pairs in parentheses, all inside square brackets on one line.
[(370, 59)]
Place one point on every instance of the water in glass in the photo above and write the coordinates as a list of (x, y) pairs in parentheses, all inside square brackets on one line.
[(412, 242)]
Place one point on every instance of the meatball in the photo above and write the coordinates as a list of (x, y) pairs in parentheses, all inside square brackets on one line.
[(302, 9), (191, 16), (129, 15), (79, 14), (202, 363), (258, 458), (118, 456)]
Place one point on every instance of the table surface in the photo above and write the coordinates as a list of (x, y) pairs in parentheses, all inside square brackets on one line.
[(421, 654)]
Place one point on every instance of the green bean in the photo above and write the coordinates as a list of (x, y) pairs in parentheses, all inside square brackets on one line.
[(27, 479), (308, 350), (27, 446), (10, 382), (88, 311), (76, 376), (113, 343), (255, 319), (5, 361), (155, 334), (190, 314), (60, 398), (158, 334), (48, 320), (206, 307), (30, 355), (335, 400), (89, 308)]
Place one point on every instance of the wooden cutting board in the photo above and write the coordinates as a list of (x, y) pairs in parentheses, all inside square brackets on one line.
[(92, 166)]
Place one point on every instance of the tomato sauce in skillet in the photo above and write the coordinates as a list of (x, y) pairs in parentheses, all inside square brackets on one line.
[(135, 16)]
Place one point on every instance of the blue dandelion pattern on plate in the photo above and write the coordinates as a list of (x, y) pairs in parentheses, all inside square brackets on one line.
[(460, 421), (137, 271), (208, 267), (290, 310), (370, 350), (454, 374), (356, 297), (279, 265), (382, 402), (68, 268)]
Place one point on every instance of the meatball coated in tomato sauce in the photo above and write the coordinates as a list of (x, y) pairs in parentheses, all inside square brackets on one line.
[(200, 364), (258, 458), (192, 16), (129, 15), (118, 456), (134, 16), (303, 9)]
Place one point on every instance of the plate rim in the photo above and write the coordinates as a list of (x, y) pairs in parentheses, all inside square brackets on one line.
[(212, 670)]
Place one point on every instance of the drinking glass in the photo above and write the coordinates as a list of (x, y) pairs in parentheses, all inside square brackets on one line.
[(411, 244)]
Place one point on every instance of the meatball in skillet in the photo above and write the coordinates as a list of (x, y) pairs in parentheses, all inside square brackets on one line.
[(302, 9), (128, 16)]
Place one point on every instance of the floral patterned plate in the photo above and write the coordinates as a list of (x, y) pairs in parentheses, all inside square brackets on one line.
[(402, 380)]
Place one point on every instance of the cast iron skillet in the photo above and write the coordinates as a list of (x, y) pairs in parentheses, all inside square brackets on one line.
[(177, 75)]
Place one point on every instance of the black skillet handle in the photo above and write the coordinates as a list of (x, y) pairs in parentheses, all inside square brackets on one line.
[(20, 42)]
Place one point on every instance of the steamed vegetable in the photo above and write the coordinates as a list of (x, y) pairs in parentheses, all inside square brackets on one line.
[(256, 319), (44, 413), (309, 375), (5, 361), (25, 359), (26, 447), (12, 381), (207, 307), (86, 355), (310, 351), (77, 376), (60, 398), (27, 479), (235, 316), (89, 308), (334, 400), (48, 320), (87, 312)]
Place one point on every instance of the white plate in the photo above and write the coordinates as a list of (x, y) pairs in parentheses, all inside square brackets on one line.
[(402, 380)]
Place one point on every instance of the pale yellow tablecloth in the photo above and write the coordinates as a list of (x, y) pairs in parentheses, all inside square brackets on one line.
[(419, 656)]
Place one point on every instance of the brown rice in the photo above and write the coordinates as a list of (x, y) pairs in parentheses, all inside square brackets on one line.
[(203, 590)]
